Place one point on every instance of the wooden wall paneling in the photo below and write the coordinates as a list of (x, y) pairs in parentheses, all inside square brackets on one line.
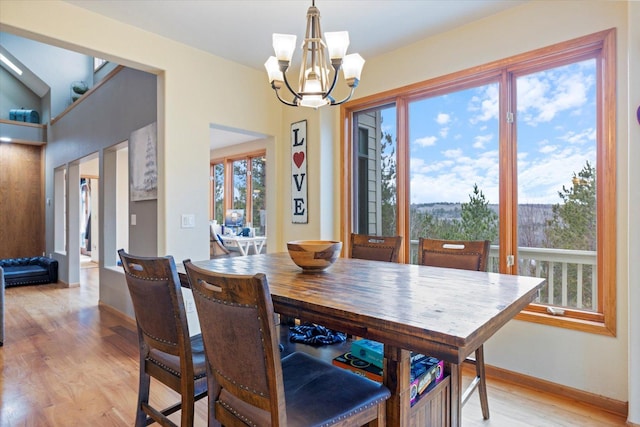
[(21, 200)]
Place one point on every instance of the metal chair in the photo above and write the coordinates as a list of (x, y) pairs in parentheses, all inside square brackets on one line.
[(249, 384), (376, 248), (465, 255), (167, 352)]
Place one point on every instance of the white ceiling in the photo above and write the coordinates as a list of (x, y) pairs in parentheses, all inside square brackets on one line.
[(240, 30)]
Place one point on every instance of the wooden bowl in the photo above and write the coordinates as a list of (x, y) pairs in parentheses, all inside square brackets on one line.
[(314, 255)]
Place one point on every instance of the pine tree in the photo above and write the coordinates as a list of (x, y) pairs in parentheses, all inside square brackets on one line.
[(573, 225), (388, 186), (479, 221)]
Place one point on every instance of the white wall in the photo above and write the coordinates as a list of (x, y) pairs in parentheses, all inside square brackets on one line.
[(57, 67), (122, 198), (14, 94), (632, 213)]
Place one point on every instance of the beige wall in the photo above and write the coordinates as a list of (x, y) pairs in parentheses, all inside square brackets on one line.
[(588, 362), (595, 364), (632, 212)]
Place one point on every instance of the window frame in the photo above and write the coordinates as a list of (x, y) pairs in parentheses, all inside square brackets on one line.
[(227, 163), (602, 46)]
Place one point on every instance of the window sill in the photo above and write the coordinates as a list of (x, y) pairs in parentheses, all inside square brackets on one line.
[(566, 322)]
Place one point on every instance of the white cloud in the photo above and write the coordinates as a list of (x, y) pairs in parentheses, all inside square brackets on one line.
[(418, 166), (579, 137), (546, 149), (444, 132), (485, 105), (480, 141), (452, 180), (453, 153), (426, 141), (540, 180), (541, 96), (443, 118)]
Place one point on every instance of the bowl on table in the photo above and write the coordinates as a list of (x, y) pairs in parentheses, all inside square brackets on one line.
[(314, 255)]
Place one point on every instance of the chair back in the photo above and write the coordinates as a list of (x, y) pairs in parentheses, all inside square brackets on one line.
[(461, 254), (157, 302), (375, 248), (241, 344)]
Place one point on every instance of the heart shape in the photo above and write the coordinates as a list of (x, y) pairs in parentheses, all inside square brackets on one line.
[(298, 158)]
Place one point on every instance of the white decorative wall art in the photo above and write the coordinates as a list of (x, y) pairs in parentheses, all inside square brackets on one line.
[(299, 172), (144, 163)]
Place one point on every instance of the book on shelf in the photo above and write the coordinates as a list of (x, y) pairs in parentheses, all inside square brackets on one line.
[(358, 366), (369, 351), (373, 352), (425, 371)]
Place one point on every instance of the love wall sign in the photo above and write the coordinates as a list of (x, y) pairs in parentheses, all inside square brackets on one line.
[(299, 172)]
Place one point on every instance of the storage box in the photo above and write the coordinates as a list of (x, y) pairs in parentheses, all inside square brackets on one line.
[(22, 115), (369, 351)]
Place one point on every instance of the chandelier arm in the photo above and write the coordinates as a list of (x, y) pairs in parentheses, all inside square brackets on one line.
[(293, 92), (336, 71), (334, 102), (285, 102)]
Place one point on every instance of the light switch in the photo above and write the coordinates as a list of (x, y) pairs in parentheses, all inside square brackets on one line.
[(133, 219), (188, 221)]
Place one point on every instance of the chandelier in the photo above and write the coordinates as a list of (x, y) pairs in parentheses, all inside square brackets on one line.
[(317, 77)]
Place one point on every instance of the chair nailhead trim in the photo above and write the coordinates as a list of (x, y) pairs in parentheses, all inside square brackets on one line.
[(242, 386), (344, 417), (163, 366), (237, 414), (154, 279), (219, 301), (160, 339)]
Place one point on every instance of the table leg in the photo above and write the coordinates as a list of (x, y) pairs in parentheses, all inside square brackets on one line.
[(397, 370), (456, 390)]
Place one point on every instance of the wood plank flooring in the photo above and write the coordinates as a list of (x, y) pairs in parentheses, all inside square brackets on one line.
[(68, 362)]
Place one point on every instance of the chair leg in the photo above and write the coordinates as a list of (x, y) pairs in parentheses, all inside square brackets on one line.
[(143, 398), (482, 386), (187, 410)]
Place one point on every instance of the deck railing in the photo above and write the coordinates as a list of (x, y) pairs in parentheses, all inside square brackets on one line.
[(571, 275)]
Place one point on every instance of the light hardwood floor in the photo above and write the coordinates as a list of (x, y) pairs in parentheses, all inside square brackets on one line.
[(68, 362)]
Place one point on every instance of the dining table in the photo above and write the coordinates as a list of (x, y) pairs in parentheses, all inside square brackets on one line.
[(441, 312)]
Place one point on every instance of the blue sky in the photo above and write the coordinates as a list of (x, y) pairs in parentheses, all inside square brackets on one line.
[(454, 137)]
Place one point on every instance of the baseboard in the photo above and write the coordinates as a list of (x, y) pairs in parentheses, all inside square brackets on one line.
[(630, 424), (607, 404), (130, 321), (63, 284)]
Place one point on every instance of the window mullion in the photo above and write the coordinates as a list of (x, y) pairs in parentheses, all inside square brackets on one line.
[(508, 175), (403, 177)]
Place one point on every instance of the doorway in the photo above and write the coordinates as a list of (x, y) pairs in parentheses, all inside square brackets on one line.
[(88, 218)]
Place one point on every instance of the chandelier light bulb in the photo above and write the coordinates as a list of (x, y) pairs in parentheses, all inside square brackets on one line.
[(284, 45)]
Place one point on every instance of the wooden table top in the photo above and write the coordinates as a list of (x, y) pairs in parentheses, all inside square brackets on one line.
[(443, 312)]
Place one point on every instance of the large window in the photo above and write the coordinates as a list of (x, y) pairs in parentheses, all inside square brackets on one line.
[(521, 153), (240, 183)]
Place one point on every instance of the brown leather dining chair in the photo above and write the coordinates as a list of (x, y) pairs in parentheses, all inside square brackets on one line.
[(465, 255), (375, 248), (249, 384), (167, 352)]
